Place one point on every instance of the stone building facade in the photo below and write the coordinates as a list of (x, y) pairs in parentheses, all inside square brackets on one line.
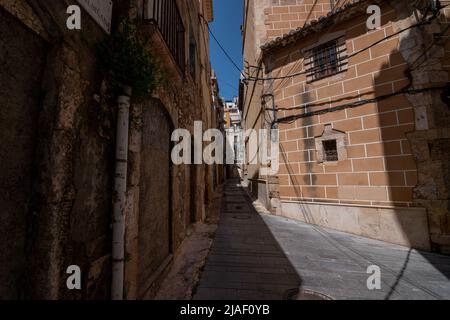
[(363, 123), (58, 154)]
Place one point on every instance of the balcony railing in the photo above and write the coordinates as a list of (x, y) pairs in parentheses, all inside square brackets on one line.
[(165, 14)]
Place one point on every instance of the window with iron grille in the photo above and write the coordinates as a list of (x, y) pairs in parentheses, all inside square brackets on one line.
[(165, 14), (330, 150), (326, 60)]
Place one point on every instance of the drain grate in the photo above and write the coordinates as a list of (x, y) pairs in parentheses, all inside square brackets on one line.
[(296, 294)]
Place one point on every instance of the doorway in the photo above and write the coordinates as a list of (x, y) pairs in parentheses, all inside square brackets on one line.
[(155, 212)]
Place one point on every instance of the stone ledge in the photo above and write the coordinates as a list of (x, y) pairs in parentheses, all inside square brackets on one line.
[(403, 226)]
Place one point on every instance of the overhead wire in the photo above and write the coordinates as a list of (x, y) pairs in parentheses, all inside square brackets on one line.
[(293, 118), (324, 233), (283, 81), (222, 47), (405, 90), (419, 24)]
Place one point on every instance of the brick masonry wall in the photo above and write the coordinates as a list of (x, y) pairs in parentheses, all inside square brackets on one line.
[(286, 15), (18, 126), (380, 169)]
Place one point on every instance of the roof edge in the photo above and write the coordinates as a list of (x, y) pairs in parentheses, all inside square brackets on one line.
[(341, 14)]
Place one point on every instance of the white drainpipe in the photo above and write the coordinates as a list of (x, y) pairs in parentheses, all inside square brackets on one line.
[(119, 197)]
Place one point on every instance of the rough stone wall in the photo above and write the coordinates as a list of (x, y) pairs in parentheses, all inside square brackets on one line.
[(20, 82), (185, 98), (68, 218), (24, 12), (428, 59)]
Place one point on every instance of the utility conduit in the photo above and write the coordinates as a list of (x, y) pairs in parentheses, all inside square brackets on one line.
[(119, 196)]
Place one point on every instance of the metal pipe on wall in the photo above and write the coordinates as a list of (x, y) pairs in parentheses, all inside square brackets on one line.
[(119, 196)]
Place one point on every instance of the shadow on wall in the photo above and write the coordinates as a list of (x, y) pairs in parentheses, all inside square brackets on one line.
[(424, 170), (402, 151)]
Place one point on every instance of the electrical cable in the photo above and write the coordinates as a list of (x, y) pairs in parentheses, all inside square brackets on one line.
[(426, 21), (258, 69), (293, 118), (282, 82), (361, 102), (222, 48), (322, 231), (405, 90), (310, 13)]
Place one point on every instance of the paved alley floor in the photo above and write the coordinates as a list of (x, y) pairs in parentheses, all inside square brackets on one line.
[(257, 256)]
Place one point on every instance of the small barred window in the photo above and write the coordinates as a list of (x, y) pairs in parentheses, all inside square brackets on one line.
[(326, 60), (330, 150)]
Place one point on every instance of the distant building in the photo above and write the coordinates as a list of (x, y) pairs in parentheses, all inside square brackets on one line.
[(234, 132)]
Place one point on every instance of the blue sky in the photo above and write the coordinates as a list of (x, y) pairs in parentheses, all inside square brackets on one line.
[(226, 28)]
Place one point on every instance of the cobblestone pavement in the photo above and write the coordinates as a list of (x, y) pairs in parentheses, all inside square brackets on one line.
[(259, 256)]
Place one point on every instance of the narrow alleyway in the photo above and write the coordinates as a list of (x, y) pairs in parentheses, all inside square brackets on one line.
[(259, 256), (245, 261)]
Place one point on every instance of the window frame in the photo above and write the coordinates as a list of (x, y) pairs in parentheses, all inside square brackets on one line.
[(341, 145), (330, 154), (334, 53), (167, 18)]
